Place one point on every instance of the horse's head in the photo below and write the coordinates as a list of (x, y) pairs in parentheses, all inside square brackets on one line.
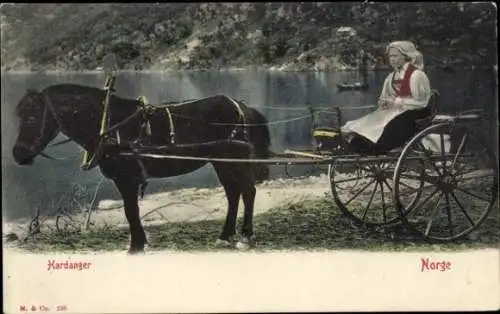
[(37, 126)]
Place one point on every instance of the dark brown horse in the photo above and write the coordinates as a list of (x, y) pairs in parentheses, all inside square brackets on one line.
[(216, 126)]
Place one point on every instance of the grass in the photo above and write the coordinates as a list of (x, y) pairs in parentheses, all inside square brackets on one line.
[(308, 225)]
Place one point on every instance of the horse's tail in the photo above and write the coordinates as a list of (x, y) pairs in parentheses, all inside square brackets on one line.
[(261, 141)]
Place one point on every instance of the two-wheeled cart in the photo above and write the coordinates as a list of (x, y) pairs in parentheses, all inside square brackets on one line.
[(441, 185)]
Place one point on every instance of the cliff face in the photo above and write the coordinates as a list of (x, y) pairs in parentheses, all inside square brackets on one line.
[(294, 36)]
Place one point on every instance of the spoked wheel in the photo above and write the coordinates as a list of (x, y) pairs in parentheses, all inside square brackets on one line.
[(457, 184), (363, 192)]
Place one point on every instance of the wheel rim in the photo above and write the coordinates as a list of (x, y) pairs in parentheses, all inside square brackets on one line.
[(460, 182), (364, 194)]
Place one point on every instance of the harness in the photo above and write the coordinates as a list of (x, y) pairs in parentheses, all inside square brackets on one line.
[(241, 119), (146, 125), (147, 109), (171, 125), (143, 103), (144, 110), (108, 88)]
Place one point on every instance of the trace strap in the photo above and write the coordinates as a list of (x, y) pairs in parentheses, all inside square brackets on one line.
[(108, 89), (171, 126)]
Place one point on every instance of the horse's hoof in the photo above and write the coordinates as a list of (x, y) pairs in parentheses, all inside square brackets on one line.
[(245, 243), (135, 251), (223, 243), (242, 246)]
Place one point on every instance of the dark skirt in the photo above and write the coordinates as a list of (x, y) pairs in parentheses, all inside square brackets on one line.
[(396, 133)]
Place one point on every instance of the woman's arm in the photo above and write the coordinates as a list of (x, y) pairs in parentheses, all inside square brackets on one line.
[(420, 90), (385, 89), (385, 98)]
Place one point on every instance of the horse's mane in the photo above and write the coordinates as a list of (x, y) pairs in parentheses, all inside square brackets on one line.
[(69, 88)]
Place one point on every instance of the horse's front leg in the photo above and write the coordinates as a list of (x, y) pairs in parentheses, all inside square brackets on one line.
[(129, 191), (227, 179), (248, 191)]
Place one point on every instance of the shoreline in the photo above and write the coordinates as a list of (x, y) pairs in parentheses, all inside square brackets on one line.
[(236, 69)]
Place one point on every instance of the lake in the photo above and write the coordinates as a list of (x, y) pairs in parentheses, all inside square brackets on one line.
[(281, 96)]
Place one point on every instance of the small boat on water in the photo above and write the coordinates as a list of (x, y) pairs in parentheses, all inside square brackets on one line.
[(360, 82), (352, 86)]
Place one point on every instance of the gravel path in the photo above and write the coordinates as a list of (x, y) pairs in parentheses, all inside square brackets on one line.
[(193, 204)]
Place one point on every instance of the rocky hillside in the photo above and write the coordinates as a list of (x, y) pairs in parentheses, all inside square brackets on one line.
[(293, 36)]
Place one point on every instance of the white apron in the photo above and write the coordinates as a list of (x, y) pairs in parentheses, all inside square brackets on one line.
[(372, 125)]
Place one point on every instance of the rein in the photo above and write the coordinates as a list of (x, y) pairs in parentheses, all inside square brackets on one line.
[(121, 123)]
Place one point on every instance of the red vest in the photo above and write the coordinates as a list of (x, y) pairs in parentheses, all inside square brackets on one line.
[(402, 87)]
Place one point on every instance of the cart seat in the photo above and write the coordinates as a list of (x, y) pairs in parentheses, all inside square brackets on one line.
[(327, 137), (456, 118), (433, 105)]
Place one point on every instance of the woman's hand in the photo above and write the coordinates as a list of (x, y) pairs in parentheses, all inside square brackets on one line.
[(385, 103)]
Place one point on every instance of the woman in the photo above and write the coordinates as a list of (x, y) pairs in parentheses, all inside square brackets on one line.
[(403, 100)]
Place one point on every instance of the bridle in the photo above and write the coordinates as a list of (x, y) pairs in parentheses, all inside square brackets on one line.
[(48, 107)]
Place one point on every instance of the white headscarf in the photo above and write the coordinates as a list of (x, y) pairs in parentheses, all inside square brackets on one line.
[(408, 49)]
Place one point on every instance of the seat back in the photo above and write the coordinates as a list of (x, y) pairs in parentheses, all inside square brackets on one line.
[(433, 105), (434, 102), (326, 128)]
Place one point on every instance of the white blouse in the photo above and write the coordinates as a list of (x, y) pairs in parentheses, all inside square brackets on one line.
[(419, 85), (372, 125)]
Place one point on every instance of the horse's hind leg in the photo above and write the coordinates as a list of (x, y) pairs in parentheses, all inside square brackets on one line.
[(247, 185), (227, 179), (129, 191)]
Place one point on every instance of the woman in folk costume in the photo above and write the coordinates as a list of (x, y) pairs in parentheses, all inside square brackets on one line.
[(403, 100)]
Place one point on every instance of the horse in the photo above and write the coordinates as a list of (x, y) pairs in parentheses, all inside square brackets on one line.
[(215, 126)]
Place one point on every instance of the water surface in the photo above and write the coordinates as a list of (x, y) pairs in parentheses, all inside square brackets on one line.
[(281, 96)]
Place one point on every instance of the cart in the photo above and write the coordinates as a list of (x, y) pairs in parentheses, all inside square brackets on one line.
[(441, 185)]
